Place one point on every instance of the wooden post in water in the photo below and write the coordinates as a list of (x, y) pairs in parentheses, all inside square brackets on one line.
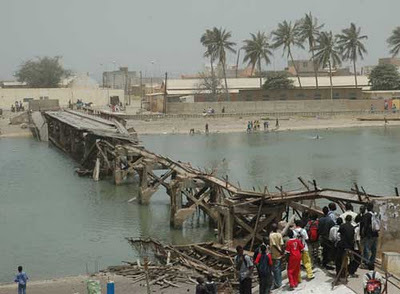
[(96, 170)]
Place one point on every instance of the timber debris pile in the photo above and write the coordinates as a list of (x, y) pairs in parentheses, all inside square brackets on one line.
[(172, 265)]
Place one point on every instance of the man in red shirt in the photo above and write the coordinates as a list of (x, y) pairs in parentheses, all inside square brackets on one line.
[(294, 247)]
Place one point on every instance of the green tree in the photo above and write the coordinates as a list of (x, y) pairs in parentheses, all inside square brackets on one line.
[(327, 53), (351, 46), (394, 42), (277, 80), (42, 72), (207, 40), (384, 77), (309, 31), (220, 45), (287, 36), (257, 49)]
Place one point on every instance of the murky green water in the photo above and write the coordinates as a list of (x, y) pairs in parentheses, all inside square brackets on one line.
[(54, 222)]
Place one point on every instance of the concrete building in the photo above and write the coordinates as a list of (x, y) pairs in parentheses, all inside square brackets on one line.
[(185, 87), (306, 69), (232, 71), (390, 60), (78, 87), (366, 70), (126, 80)]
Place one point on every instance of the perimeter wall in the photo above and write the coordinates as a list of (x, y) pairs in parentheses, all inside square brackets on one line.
[(98, 96), (341, 105)]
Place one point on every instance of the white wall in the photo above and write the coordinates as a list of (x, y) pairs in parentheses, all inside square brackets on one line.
[(100, 96)]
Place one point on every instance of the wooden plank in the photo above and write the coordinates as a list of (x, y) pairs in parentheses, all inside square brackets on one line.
[(256, 225), (303, 208)]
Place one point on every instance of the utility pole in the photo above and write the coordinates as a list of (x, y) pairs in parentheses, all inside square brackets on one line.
[(165, 93), (237, 62), (141, 91)]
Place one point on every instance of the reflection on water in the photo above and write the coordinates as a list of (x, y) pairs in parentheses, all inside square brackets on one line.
[(54, 222)]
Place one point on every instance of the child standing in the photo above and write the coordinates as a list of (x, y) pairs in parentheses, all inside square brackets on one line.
[(294, 247), (21, 278)]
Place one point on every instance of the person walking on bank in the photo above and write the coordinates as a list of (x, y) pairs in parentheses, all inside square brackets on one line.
[(276, 244), (244, 267), (370, 226), (313, 239), (355, 259), (324, 226), (346, 242), (21, 278), (263, 262), (207, 128), (301, 234), (294, 247)]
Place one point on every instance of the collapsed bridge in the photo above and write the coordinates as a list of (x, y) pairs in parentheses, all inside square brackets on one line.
[(105, 148)]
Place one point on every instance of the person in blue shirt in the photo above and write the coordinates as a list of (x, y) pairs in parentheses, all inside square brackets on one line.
[(21, 278)]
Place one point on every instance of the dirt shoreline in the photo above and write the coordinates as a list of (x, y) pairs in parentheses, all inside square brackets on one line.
[(239, 125), (170, 126), (77, 285)]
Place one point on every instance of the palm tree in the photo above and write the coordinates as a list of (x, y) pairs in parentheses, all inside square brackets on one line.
[(220, 44), (351, 46), (287, 36), (256, 50), (394, 42), (309, 31), (327, 53), (207, 41)]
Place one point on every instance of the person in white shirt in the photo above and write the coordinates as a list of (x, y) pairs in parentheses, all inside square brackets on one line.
[(349, 211), (301, 234), (356, 259)]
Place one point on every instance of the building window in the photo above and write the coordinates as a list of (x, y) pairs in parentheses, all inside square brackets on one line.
[(265, 97), (300, 96), (305, 64), (336, 95), (44, 97), (353, 95), (317, 96)]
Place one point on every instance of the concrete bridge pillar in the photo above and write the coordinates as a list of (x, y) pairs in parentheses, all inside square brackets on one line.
[(145, 191)]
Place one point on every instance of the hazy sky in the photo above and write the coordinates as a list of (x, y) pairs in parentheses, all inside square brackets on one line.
[(88, 33)]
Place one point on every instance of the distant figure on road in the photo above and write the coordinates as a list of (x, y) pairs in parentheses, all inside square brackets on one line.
[(277, 123), (21, 278), (223, 109), (372, 108), (206, 128)]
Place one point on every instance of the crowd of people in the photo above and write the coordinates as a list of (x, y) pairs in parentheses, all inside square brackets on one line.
[(348, 240), (17, 107), (256, 125)]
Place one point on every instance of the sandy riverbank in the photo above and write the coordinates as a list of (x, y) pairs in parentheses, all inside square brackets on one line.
[(219, 125), (77, 285), (11, 131), (237, 124)]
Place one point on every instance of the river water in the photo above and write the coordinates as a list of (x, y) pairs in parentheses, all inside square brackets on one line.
[(56, 223)]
